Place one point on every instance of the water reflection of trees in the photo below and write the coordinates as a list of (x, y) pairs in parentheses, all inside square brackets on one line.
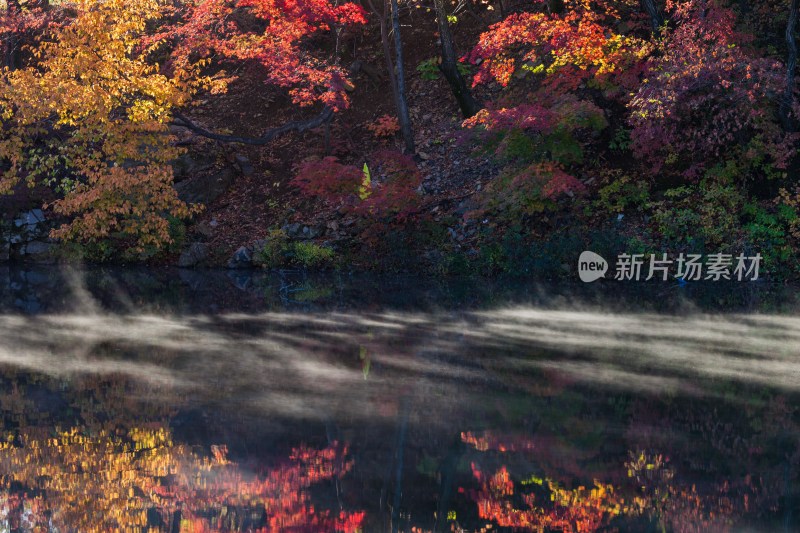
[(575, 392), (728, 476), (77, 480)]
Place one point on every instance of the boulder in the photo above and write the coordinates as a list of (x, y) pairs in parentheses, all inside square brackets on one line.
[(297, 231), (293, 231), (259, 245), (207, 228), (241, 258), (204, 189), (244, 165), (189, 165), (312, 232), (30, 218), (194, 255), (29, 226)]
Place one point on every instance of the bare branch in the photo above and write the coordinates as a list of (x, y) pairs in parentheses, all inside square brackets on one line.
[(270, 135)]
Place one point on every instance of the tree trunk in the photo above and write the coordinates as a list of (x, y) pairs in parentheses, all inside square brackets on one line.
[(12, 41), (449, 66), (387, 53), (405, 408), (400, 80), (787, 102), (656, 19), (395, 68)]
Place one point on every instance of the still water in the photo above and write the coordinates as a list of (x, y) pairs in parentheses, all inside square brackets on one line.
[(210, 401)]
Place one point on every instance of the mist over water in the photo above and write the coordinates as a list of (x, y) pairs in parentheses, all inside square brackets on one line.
[(269, 402)]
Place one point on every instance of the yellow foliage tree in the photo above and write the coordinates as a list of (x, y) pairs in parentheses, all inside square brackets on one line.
[(89, 117)]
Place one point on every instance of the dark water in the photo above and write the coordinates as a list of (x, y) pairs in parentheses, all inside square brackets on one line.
[(184, 401)]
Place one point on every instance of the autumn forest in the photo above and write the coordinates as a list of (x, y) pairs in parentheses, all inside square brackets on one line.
[(313, 266), (478, 137)]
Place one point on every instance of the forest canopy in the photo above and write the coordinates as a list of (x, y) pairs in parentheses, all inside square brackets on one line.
[(682, 115)]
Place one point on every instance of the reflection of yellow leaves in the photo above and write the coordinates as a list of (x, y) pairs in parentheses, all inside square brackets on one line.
[(220, 454), (109, 481), (366, 362)]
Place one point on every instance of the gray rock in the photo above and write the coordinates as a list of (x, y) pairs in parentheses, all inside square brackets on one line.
[(204, 189), (29, 226), (258, 245), (205, 229), (311, 232), (293, 231), (31, 218), (297, 231), (187, 166), (241, 258), (194, 255), (245, 167), (181, 167)]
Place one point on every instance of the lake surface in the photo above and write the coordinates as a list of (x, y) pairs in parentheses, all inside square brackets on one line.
[(136, 400)]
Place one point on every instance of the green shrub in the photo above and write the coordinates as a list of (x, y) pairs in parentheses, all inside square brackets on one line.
[(273, 254), (768, 233), (429, 69), (708, 213), (623, 193), (621, 141), (311, 255), (277, 252), (518, 147)]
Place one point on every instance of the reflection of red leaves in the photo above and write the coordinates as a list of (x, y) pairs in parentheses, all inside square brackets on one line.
[(492, 441), (542, 504), (575, 510), (111, 482), (282, 491)]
